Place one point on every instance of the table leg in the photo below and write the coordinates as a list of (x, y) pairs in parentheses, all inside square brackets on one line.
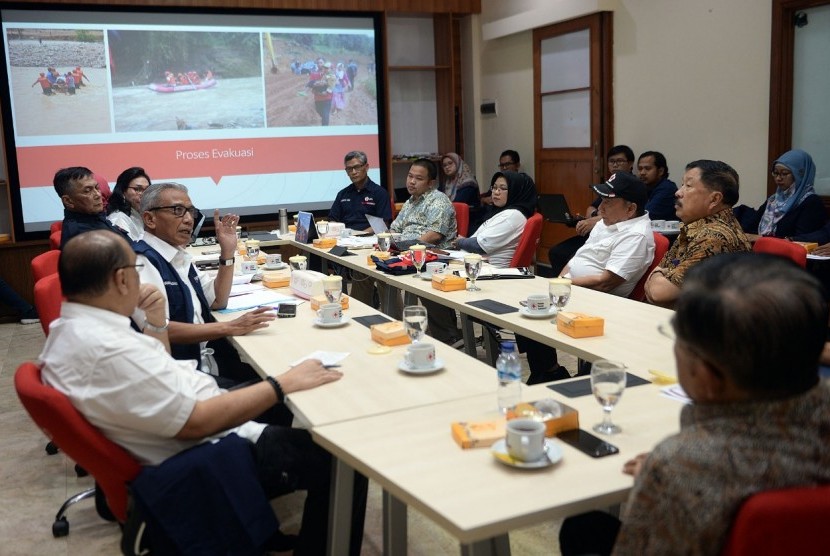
[(496, 546), (469, 335), (340, 508), (491, 347), (394, 526)]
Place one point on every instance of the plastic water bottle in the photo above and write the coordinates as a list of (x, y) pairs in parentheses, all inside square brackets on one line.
[(509, 371)]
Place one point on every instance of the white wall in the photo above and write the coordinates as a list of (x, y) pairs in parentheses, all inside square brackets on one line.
[(691, 79)]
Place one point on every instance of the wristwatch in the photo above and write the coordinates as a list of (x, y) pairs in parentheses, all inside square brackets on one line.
[(227, 262), (157, 329)]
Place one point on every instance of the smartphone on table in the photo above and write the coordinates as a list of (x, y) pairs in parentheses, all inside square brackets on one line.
[(587, 443)]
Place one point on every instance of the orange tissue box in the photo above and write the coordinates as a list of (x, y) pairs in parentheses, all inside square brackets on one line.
[(448, 282), (478, 434), (318, 300), (808, 245), (276, 278), (325, 243), (390, 333), (382, 255), (579, 325), (541, 410)]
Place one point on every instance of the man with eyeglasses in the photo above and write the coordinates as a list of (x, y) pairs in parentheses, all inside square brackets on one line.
[(509, 160), (351, 205), (83, 203), (169, 217)]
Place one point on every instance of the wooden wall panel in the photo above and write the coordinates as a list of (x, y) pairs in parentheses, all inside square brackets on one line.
[(406, 6)]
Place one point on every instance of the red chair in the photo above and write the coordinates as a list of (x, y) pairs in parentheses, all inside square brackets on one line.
[(787, 521), (526, 250), (783, 248), (55, 240), (462, 218), (48, 297), (661, 245), (111, 466), (56, 227), (45, 264)]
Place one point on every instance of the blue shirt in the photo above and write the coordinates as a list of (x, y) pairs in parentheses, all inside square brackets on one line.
[(351, 206), (660, 204)]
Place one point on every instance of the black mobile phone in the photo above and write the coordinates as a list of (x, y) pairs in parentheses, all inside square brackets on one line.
[(587, 443), (286, 311)]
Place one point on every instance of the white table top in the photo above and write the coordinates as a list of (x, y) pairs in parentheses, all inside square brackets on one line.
[(630, 326), (372, 384), (412, 455)]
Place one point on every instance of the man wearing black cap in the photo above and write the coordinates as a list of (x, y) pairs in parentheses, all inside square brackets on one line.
[(621, 245), (616, 255)]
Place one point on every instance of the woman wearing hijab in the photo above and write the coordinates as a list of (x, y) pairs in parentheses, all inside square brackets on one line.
[(125, 202), (459, 185), (514, 201), (794, 209)]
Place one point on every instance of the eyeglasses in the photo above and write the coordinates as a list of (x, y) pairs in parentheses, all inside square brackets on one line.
[(354, 168), (783, 175), (137, 189), (505, 165), (180, 210), (616, 161), (137, 266), (499, 188)]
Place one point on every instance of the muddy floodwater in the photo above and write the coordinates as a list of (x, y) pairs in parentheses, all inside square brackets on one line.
[(231, 103)]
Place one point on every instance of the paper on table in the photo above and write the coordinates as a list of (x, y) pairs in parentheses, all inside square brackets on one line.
[(327, 357), (358, 242), (242, 278), (255, 299), (242, 289), (675, 392), (817, 257)]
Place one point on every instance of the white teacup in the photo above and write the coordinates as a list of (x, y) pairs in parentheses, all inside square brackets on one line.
[(420, 355), (330, 312), (525, 439), (298, 262), (252, 248), (538, 303), (435, 267), (658, 224), (248, 267), (672, 224), (273, 260)]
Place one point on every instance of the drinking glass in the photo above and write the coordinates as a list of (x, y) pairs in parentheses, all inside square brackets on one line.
[(415, 322), (322, 228), (472, 266), (419, 257), (384, 242), (607, 383), (559, 290), (333, 290)]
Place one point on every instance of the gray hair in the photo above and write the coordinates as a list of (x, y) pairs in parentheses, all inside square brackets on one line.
[(151, 195), (360, 155)]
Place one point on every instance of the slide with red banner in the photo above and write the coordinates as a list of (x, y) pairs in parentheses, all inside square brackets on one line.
[(251, 117)]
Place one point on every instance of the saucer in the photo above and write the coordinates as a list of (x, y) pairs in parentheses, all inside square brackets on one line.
[(437, 365), (275, 267), (425, 276), (553, 453), (335, 324), (551, 312)]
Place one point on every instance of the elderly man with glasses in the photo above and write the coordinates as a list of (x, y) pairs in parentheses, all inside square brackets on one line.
[(169, 218)]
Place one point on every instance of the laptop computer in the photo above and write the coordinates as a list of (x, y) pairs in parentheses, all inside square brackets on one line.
[(554, 207), (377, 223), (306, 228)]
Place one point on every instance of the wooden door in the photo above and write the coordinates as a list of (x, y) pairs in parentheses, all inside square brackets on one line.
[(573, 113)]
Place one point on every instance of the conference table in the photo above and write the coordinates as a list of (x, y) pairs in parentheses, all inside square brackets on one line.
[(470, 494), (394, 427)]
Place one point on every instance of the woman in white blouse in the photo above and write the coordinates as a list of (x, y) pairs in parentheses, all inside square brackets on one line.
[(514, 201), (123, 208)]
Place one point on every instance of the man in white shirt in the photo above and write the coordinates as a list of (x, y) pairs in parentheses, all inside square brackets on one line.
[(128, 386), (169, 217), (616, 255), (621, 245)]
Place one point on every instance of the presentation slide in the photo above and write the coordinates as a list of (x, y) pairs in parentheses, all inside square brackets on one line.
[(251, 112)]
